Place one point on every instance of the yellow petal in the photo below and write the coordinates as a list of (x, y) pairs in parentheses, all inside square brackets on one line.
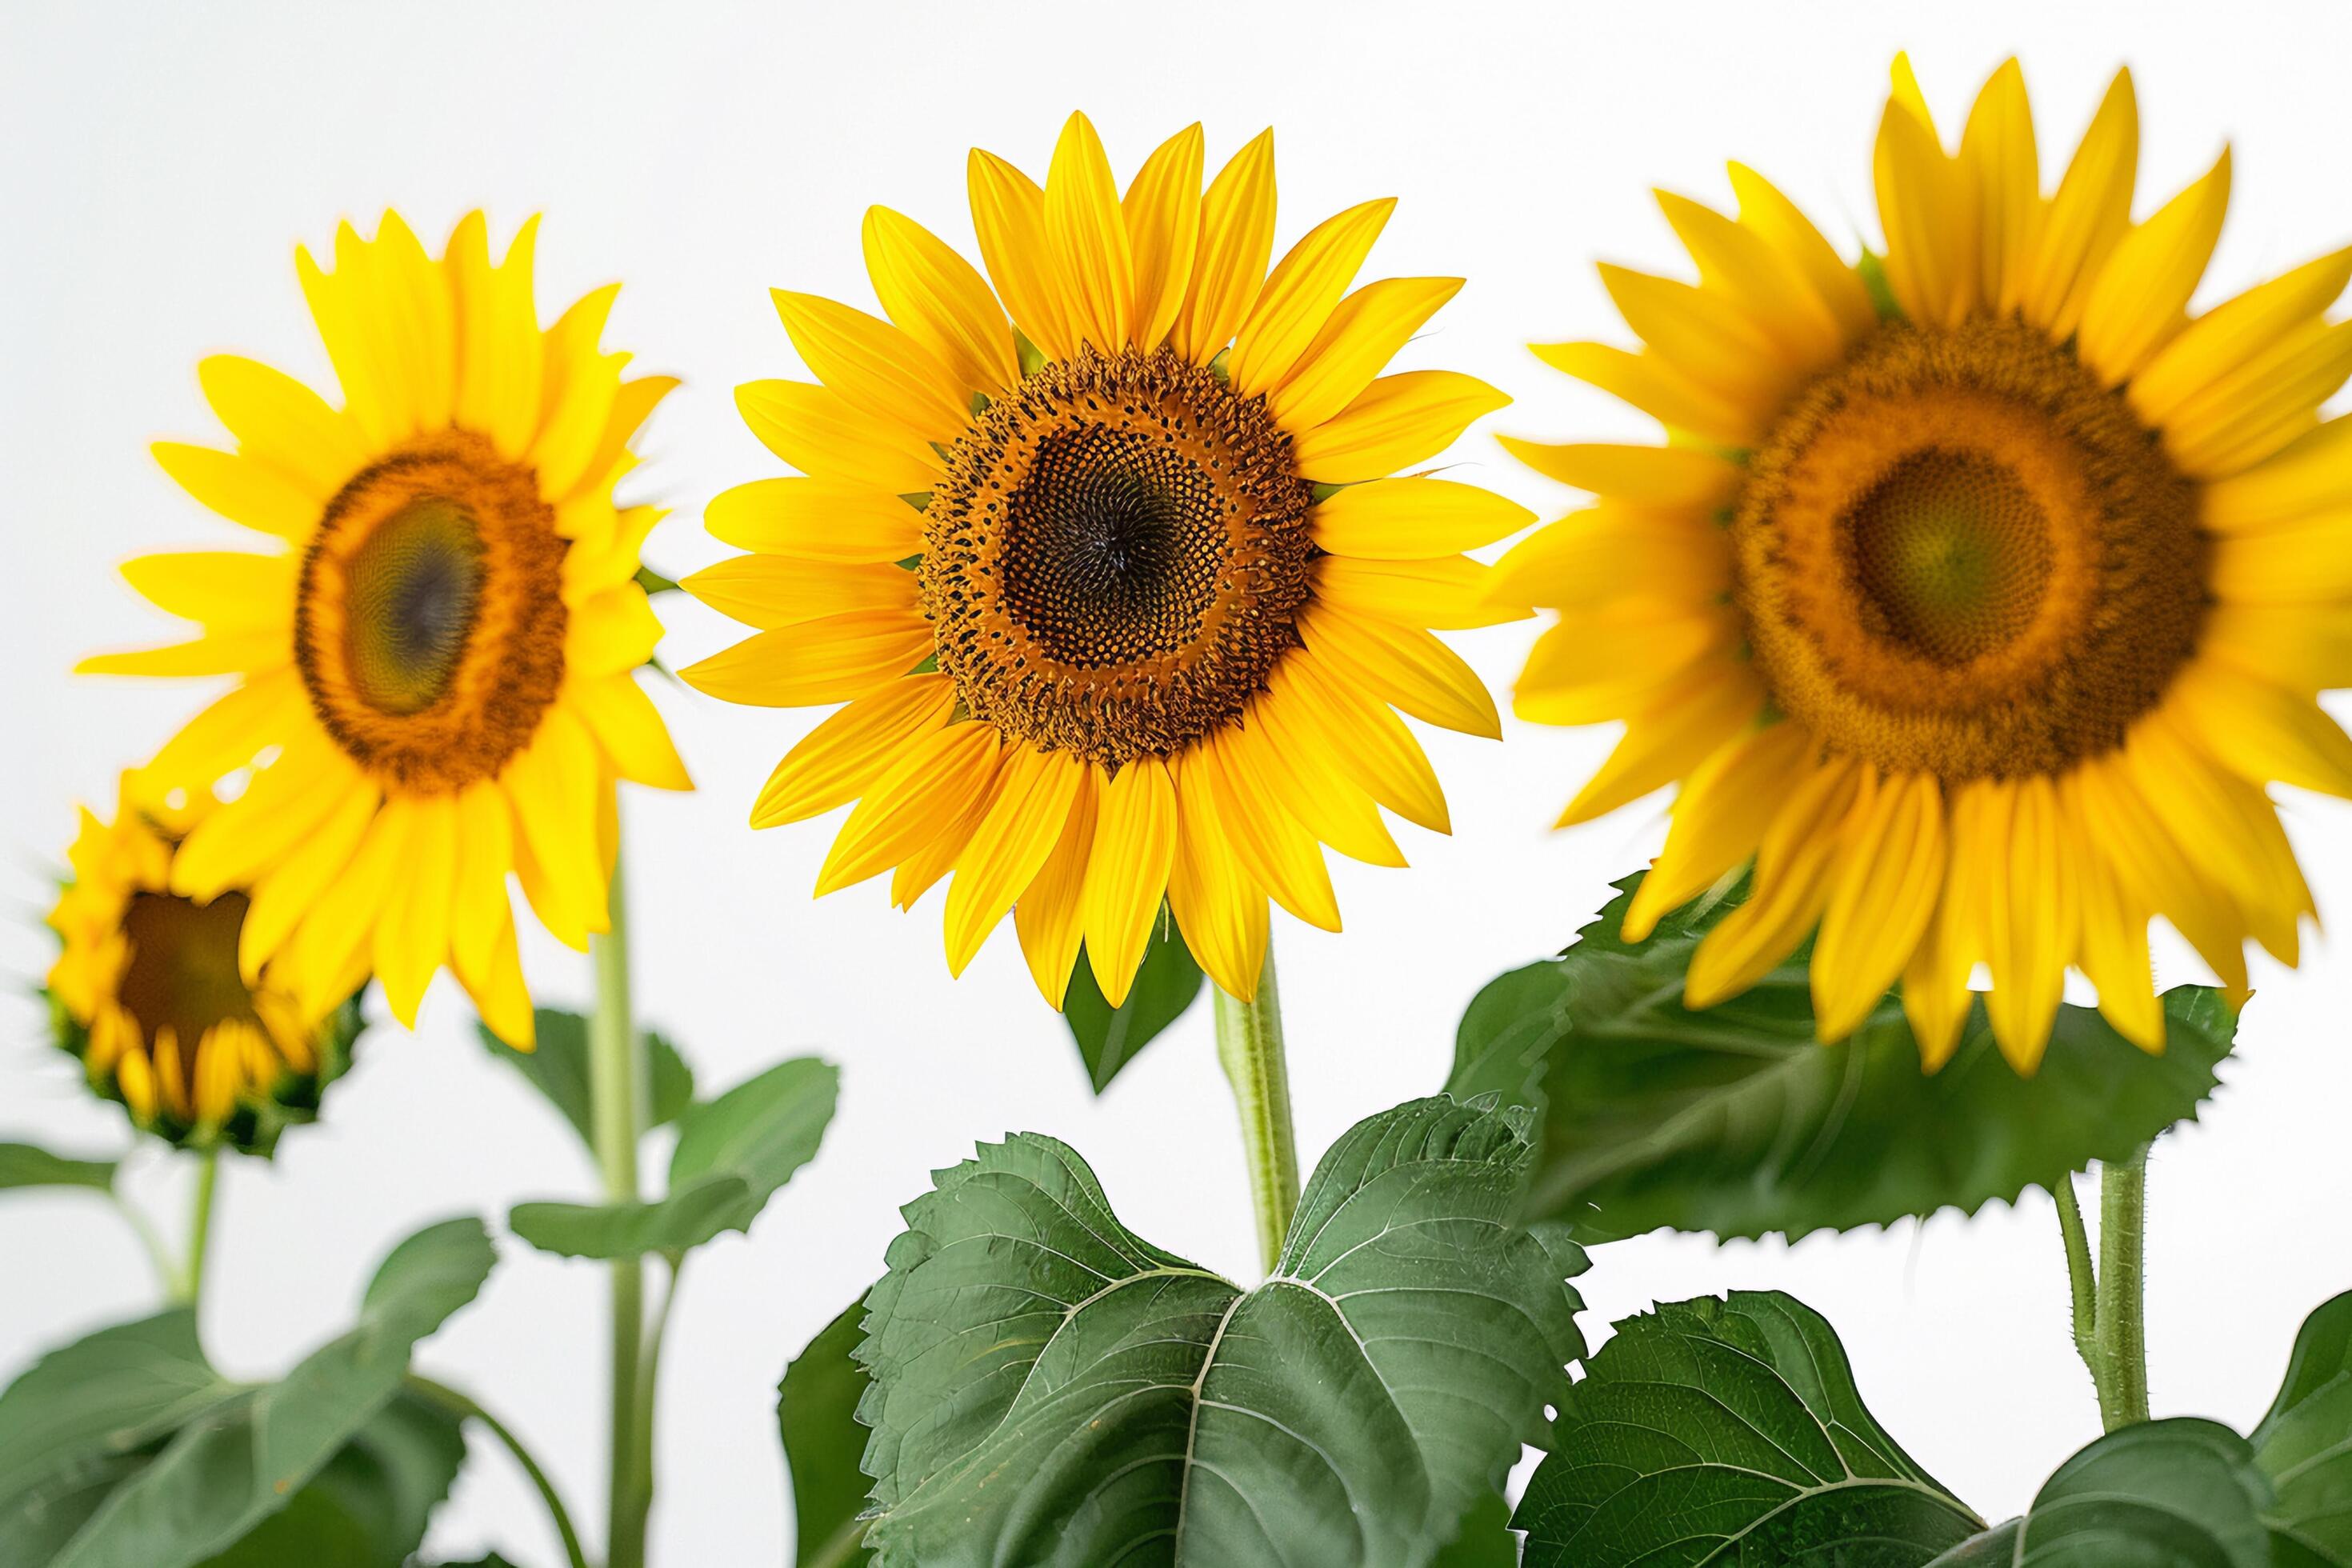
[(241, 488), (2304, 648), (877, 369), (2260, 730), (1649, 475), (2087, 216), (1888, 878), (932, 780), (1769, 290), (1049, 916), (1718, 817), (828, 660), (412, 935), (2113, 945), (1324, 801), (282, 804), (554, 787), (1700, 714), (372, 397), (1357, 340), (2032, 922), (1276, 852), (230, 590), (2312, 475), (1936, 995), (1358, 735), (1036, 794), (2308, 564), (772, 591), (629, 729), (1299, 293), (817, 431), (2267, 404), (841, 758), (1789, 889), (1008, 211), (2140, 301), (1618, 552), (1162, 213), (1999, 160), (284, 897), (817, 520), (1236, 240), (481, 912), (1127, 876), (579, 383), (1220, 909), (278, 421), (1444, 592), (1405, 665), (1705, 336), (1409, 519), (2217, 346), (220, 653), (1660, 390), (611, 631), (941, 301), (262, 712), (1780, 223), (1086, 239), (1930, 214), (1397, 421)]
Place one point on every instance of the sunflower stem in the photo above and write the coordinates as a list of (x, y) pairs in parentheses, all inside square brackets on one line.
[(2121, 1329), (190, 1289), (2081, 1280), (617, 1072), (465, 1407), (1249, 1046)]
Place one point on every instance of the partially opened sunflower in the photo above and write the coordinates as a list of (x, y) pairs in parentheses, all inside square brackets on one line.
[(1119, 591), (435, 662), (1981, 588)]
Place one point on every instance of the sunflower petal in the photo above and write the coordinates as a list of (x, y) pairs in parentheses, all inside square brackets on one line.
[(819, 432), (1236, 242), (2140, 301), (1394, 423), (931, 782), (843, 757), (241, 488), (1127, 877), (1008, 211), (1362, 334), (1220, 909), (1300, 293), (1412, 518), (1049, 916), (878, 369), (2088, 215), (941, 301), (1163, 212), (1791, 886), (1882, 898), (828, 660), (278, 421), (816, 520), (1719, 816)]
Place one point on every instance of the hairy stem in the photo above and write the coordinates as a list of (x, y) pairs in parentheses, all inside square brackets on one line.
[(617, 1072), (2121, 1329), (189, 1290), (1249, 1045)]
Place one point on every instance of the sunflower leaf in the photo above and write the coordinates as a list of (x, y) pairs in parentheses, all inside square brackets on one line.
[(126, 1447), (2305, 1444), (558, 1068), (1109, 1038), (2161, 1494), (731, 1156), (1730, 1430), (1048, 1386), (30, 1165), (816, 1412), (1733, 1119)]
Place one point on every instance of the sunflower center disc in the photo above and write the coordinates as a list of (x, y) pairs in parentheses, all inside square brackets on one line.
[(1960, 554), (182, 975), (429, 631), (1116, 556)]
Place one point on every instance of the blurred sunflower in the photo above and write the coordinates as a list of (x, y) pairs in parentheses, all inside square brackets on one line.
[(437, 664), (1118, 590), (148, 993), (1979, 590)]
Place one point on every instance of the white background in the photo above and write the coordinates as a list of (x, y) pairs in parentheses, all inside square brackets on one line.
[(157, 167)]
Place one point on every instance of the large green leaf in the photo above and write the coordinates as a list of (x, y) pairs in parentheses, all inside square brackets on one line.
[(1728, 1431), (2179, 1493), (369, 1506), (127, 1451), (816, 1409), (1733, 1119), (1050, 1388), (558, 1068), (731, 1156), (1109, 1038), (2305, 1444), (1485, 1541), (30, 1165)]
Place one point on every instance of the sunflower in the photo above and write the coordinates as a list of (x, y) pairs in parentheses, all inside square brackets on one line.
[(148, 993), (437, 660), (1980, 589), (1117, 591)]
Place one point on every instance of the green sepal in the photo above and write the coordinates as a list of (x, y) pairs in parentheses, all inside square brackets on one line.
[(652, 582)]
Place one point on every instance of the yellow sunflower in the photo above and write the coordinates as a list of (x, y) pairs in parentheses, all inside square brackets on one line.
[(437, 662), (1117, 591), (147, 992), (1980, 589)]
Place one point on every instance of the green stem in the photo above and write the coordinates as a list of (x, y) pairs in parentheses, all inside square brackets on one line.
[(463, 1406), (191, 1287), (618, 1093), (648, 1377), (2081, 1280), (1249, 1045), (2122, 1326)]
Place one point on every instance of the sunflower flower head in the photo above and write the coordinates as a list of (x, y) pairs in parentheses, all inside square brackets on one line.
[(1103, 554), (435, 657), (149, 992), (1981, 590)]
